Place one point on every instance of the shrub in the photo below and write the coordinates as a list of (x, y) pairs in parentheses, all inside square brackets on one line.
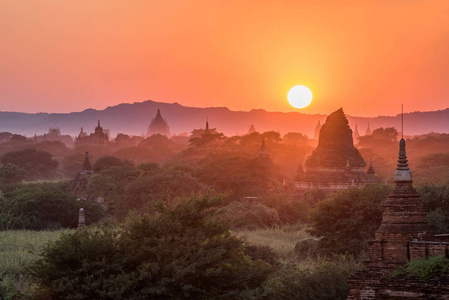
[(324, 279), (437, 198), (37, 164), (348, 219), (306, 248), (289, 211), (264, 253), (425, 268), (44, 206), (249, 215), (83, 265)]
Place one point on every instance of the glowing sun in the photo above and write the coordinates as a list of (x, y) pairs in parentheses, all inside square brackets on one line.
[(299, 96)]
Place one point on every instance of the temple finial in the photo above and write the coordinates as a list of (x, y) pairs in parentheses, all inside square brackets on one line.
[(402, 173), (262, 147), (402, 121)]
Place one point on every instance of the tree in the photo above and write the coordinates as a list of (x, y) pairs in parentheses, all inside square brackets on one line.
[(437, 198), (107, 162), (44, 206), (11, 176), (37, 164), (236, 173), (181, 252), (111, 184), (348, 219), (122, 139)]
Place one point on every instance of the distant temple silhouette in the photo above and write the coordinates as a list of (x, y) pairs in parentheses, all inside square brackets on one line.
[(99, 137), (263, 156), (251, 129), (158, 126), (335, 164), (54, 134), (368, 130), (196, 133), (79, 185), (356, 133)]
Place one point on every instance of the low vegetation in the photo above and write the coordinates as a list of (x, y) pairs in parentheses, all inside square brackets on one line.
[(425, 268), (18, 249), (347, 220)]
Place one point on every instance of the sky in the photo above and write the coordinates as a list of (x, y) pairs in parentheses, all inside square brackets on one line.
[(366, 56)]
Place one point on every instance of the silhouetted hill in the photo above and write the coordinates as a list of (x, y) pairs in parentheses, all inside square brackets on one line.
[(134, 119)]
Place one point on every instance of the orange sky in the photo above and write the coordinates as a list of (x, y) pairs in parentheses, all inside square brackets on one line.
[(366, 56)]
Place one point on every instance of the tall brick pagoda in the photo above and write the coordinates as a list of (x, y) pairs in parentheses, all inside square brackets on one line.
[(403, 235), (335, 164)]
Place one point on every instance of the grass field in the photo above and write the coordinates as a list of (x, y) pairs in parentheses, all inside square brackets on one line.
[(282, 240), (18, 248)]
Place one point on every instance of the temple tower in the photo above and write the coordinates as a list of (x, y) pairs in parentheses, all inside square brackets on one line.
[(251, 129), (371, 169), (335, 164), (263, 156), (206, 131), (158, 126), (368, 130), (404, 235), (356, 134), (404, 216), (87, 167), (79, 185)]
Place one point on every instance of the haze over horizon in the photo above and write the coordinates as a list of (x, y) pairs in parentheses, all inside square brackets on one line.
[(367, 57)]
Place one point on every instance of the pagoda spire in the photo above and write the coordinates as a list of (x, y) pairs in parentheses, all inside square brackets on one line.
[(356, 133), (263, 150), (262, 147), (368, 130), (402, 173), (86, 165), (207, 126), (371, 169)]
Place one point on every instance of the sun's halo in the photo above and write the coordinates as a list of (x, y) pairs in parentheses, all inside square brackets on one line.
[(299, 96)]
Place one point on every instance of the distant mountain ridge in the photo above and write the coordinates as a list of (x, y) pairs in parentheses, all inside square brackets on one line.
[(134, 118)]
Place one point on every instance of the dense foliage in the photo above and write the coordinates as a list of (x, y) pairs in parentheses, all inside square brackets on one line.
[(37, 164), (180, 252), (44, 206), (437, 198), (324, 280), (425, 267), (348, 219)]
